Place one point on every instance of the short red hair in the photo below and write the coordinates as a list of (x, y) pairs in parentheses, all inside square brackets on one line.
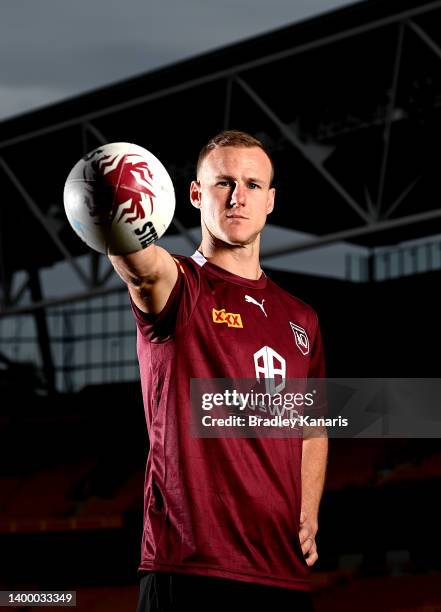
[(232, 138)]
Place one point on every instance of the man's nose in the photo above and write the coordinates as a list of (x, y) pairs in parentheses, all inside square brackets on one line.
[(238, 194)]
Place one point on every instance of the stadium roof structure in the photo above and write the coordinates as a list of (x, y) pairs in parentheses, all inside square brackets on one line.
[(348, 103)]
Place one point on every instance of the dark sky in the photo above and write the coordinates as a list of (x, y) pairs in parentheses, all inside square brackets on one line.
[(53, 49)]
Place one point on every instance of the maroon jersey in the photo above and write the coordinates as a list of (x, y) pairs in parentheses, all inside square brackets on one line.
[(224, 507)]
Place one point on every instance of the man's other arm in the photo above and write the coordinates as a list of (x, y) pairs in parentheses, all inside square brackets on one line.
[(150, 276), (314, 460)]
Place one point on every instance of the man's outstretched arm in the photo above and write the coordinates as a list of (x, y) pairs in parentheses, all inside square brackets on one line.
[(150, 275)]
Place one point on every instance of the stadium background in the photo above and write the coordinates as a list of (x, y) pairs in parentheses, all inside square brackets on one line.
[(349, 105)]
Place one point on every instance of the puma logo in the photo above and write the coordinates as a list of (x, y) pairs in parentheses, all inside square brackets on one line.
[(248, 298)]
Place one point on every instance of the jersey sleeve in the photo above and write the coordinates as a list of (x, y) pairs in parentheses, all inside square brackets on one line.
[(317, 368), (317, 374), (179, 307)]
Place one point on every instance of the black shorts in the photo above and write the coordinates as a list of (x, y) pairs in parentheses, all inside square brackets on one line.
[(164, 592)]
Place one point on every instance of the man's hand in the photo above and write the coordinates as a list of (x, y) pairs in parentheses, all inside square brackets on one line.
[(307, 533)]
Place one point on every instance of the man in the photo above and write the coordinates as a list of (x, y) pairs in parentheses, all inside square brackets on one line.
[(228, 521)]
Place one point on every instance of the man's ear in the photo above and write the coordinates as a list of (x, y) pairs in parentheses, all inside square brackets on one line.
[(270, 203), (195, 194)]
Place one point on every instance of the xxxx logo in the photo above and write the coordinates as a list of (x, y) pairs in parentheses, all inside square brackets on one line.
[(231, 319)]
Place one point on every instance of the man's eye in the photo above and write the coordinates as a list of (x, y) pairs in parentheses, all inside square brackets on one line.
[(253, 186), (225, 183)]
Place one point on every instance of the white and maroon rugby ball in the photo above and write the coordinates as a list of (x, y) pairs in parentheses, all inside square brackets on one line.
[(119, 198)]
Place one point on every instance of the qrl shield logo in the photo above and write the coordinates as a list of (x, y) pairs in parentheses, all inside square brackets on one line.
[(272, 366), (301, 338)]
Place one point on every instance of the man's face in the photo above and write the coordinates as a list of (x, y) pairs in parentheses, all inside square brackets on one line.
[(233, 193)]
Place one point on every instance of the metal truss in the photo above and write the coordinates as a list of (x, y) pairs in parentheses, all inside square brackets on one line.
[(233, 71), (374, 212)]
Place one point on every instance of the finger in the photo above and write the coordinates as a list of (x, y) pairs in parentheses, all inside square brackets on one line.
[(308, 545), (311, 554), (304, 534), (311, 558)]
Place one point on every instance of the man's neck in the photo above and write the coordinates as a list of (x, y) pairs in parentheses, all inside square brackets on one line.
[(243, 260)]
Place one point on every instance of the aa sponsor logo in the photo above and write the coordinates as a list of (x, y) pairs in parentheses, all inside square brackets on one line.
[(270, 367)]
